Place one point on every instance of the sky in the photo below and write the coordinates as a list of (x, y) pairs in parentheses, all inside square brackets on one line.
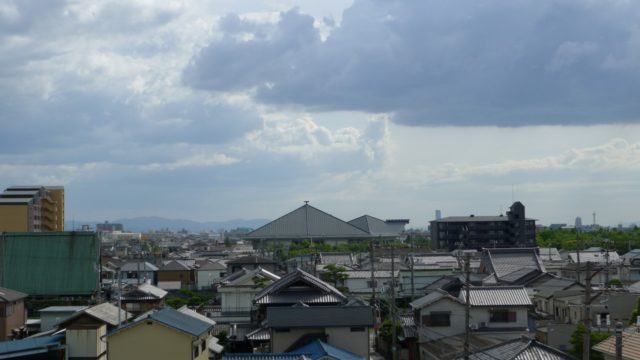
[(226, 109)]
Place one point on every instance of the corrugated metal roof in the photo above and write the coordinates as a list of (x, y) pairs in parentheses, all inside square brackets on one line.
[(50, 263), (630, 346), (520, 349), (259, 335), (15, 348), (497, 296), (319, 316), (307, 222)]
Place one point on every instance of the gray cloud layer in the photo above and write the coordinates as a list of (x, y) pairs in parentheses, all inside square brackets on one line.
[(435, 62)]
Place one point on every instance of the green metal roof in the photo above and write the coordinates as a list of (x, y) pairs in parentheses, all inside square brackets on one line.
[(50, 263)]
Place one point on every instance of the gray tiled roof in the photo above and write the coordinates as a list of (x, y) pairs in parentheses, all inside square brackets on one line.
[(313, 290), (505, 261), (307, 222), (141, 265), (180, 321), (264, 356), (319, 316), (520, 349), (497, 296), (374, 226), (11, 295)]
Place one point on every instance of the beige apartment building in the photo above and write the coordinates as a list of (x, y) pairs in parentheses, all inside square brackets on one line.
[(32, 208)]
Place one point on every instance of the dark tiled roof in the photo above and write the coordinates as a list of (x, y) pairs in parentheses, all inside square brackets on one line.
[(308, 289), (8, 295), (252, 259), (307, 222), (175, 265), (319, 316)]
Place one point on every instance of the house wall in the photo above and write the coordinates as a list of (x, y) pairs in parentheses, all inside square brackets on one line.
[(153, 340), (481, 315), (428, 333), (50, 319), (185, 277), (234, 298), (355, 341), (280, 341), (85, 343), (205, 278), (15, 319)]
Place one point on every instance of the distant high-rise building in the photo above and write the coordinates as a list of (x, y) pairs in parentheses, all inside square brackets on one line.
[(109, 227), (578, 224), (475, 232), (438, 215), (32, 208)]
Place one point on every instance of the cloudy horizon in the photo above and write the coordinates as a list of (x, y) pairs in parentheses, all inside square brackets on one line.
[(240, 109)]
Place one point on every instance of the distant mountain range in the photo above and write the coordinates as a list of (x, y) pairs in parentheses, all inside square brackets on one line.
[(141, 224)]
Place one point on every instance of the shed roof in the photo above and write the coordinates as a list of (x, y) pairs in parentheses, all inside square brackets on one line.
[(307, 222)]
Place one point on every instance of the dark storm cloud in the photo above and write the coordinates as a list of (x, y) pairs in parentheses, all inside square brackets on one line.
[(441, 62)]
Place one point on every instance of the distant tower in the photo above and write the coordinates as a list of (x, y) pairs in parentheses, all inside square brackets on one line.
[(438, 215), (578, 224), (594, 217)]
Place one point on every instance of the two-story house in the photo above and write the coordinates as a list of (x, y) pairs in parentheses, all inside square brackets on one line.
[(499, 313)]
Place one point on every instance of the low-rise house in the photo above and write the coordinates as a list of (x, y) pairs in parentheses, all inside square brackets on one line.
[(208, 273), (608, 261), (631, 268), (176, 275), (237, 292), (250, 262), (13, 315), (86, 330), (138, 272), (345, 327), (164, 334), (51, 316), (497, 312), (543, 290), (359, 281), (143, 298), (606, 308), (511, 266)]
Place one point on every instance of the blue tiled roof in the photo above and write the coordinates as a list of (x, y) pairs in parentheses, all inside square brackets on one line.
[(318, 349), (180, 321), (17, 346), (265, 356)]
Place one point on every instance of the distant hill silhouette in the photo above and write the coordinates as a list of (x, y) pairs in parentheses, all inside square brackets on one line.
[(147, 223)]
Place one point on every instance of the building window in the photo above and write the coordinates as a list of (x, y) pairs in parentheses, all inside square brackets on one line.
[(437, 319), (502, 316)]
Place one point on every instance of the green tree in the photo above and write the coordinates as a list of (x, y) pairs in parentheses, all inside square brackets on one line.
[(386, 330), (595, 337), (635, 313), (334, 274), (259, 281)]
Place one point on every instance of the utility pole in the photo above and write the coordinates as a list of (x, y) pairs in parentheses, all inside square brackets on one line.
[(412, 275), (373, 276), (119, 299), (606, 259), (618, 341), (586, 307), (467, 307), (578, 255), (392, 307)]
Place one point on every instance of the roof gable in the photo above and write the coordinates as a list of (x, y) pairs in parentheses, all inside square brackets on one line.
[(307, 222), (299, 286)]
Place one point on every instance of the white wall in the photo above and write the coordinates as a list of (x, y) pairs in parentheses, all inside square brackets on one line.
[(86, 342)]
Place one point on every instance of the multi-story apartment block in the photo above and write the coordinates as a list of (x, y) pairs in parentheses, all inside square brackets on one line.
[(32, 208), (476, 232)]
